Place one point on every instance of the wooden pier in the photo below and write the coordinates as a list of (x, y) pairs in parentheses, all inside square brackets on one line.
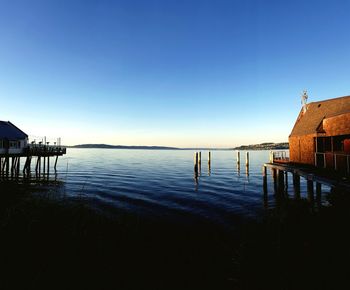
[(10, 163), (312, 175)]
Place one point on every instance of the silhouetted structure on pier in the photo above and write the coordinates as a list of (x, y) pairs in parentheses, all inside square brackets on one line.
[(14, 145)]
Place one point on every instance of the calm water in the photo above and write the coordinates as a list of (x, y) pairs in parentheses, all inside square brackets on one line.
[(161, 183)]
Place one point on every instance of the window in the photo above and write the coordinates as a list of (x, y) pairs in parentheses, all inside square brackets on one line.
[(15, 144)]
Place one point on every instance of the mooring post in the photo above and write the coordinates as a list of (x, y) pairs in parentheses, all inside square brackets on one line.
[(209, 158), (238, 158), (196, 161), (247, 159), (199, 162), (264, 169)]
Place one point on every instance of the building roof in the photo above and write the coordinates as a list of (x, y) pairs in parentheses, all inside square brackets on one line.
[(308, 122), (11, 132)]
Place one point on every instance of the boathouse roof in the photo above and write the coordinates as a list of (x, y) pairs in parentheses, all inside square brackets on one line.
[(11, 132), (309, 121)]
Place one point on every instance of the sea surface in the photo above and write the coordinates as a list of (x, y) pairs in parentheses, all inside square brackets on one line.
[(162, 183)]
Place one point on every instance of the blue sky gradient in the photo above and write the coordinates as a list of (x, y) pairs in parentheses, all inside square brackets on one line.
[(173, 73)]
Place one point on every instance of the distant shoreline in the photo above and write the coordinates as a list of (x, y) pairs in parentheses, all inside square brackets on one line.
[(262, 146)]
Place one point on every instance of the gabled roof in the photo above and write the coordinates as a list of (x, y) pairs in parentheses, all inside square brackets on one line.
[(11, 132), (310, 121)]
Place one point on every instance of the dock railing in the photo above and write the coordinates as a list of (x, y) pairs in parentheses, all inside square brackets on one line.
[(279, 156), (336, 161), (34, 149)]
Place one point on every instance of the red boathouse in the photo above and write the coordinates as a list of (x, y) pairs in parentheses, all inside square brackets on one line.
[(321, 134)]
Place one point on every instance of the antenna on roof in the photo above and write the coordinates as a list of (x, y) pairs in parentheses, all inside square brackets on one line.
[(304, 98)]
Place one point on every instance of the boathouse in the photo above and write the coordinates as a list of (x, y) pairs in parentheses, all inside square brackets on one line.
[(12, 139), (321, 135), (14, 145)]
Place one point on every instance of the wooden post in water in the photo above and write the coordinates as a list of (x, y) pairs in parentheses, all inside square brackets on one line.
[(310, 190), (274, 176), (37, 166), (296, 185), (44, 168), (238, 158), (48, 166), (280, 177), (247, 159), (55, 163), (319, 193), (264, 179), (318, 188), (196, 161), (26, 169), (209, 158), (12, 166), (18, 166), (286, 180), (7, 166)]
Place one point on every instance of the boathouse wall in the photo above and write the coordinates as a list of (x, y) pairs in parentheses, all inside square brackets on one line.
[(301, 149), (337, 125)]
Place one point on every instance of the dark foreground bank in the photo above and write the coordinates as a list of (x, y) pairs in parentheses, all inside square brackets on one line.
[(50, 243)]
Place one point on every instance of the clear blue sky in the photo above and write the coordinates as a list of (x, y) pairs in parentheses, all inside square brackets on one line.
[(178, 73)]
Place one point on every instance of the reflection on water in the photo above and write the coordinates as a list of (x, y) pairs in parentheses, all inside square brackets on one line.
[(163, 183)]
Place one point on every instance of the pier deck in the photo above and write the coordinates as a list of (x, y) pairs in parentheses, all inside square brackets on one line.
[(10, 161), (310, 173)]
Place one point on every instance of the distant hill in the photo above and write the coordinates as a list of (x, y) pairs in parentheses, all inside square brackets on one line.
[(264, 146), (106, 146)]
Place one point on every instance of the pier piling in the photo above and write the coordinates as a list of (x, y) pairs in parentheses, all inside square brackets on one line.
[(296, 185), (280, 179), (196, 161), (264, 169), (310, 189), (55, 166)]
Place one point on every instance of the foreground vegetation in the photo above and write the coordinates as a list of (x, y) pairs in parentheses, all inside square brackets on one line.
[(51, 243)]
